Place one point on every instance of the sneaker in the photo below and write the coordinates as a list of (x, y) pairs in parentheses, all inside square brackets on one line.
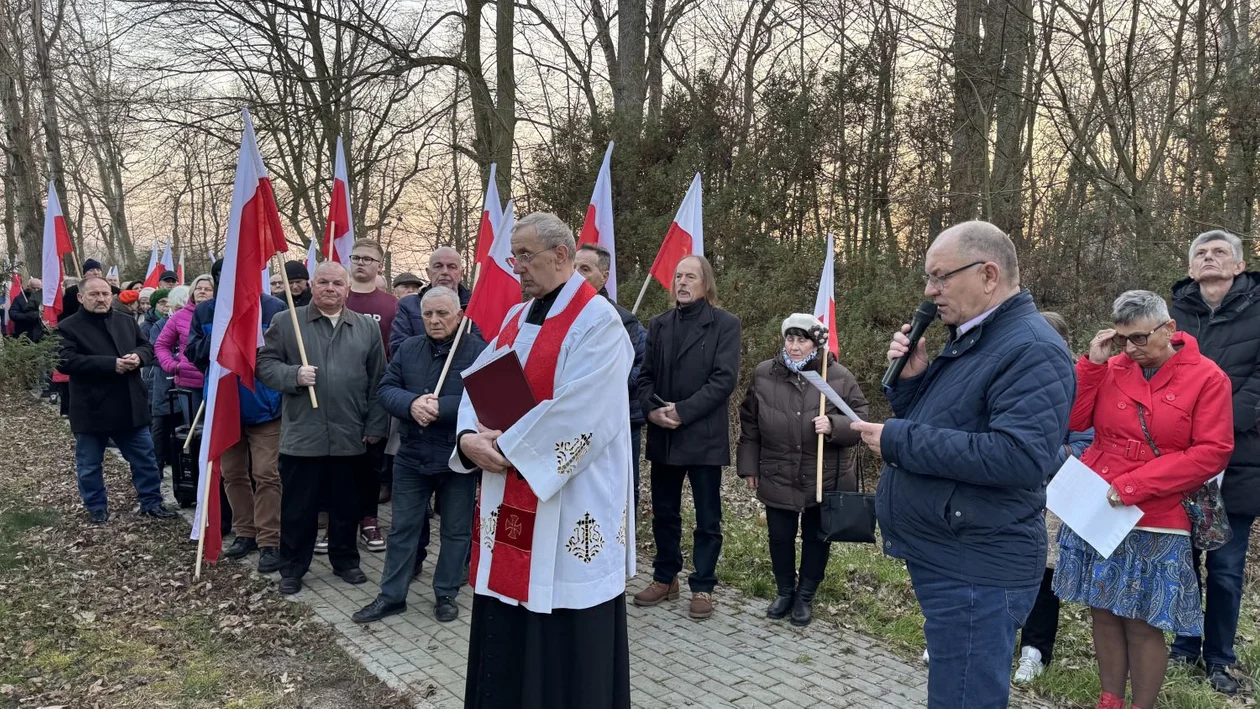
[(241, 546), (1030, 665), (99, 516), (926, 659), (370, 533), (377, 610), (701, 605), (321, 546), (159, 511), (657, 593), (268, 560), (290, 585), (385, 495), (1219, 677), (445, 609)]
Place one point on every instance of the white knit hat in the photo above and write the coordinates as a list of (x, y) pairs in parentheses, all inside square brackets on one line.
[(806, 323)]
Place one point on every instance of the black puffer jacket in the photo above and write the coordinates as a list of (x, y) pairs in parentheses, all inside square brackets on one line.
[(777, 443), (1230, 336)]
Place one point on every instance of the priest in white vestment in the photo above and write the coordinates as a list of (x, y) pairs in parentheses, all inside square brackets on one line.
[(554, 530)]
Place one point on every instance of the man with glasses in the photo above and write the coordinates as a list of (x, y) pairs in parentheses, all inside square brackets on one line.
[(977, 431), (1219, 305), (366, 259)]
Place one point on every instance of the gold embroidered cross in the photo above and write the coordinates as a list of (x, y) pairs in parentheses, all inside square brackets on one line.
[(587, 541), (513, 527), (568, 453)]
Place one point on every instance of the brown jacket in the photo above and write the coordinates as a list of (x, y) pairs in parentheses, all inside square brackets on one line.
[(777, 443)]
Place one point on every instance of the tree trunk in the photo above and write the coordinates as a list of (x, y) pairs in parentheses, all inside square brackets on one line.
[(1005, 189), (52, 123), (631, 45), (1242, 101), (968, 150), (22, 170)]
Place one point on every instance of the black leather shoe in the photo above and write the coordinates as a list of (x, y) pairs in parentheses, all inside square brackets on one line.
[(290, 585), (99, 516), (353, 576), (159, 512), (1222, 681), (803, 609), (385, 495), (378, 609), (268, 560), (781, 605), (241, 546), (445, 610)]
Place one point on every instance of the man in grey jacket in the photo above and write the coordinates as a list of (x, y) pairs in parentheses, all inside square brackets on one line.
[(321, 448)]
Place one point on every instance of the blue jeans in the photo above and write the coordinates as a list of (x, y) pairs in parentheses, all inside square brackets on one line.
[(136, 446), (411, 494), (1225, 568), (970, 632)]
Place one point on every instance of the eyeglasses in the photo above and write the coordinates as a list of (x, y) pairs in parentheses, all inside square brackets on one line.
[(363, 259), (1140, 340), (524, 258), (938, 282)]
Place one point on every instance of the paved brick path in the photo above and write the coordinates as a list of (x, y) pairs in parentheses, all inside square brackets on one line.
[(737, 658)]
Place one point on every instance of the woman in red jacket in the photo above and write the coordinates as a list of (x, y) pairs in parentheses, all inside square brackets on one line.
[(1163, 426)]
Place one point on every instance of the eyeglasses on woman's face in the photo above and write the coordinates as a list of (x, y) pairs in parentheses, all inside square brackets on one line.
[(1139, 339)]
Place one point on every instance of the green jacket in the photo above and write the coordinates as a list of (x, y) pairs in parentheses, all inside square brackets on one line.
[(350, 360)]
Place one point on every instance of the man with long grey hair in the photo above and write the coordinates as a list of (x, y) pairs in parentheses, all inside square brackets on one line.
[(1219, 304)]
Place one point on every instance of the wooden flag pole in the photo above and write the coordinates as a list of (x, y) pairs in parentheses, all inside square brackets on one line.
[(196, 419), (203, 505), (822, 411), (642, 292), (297, 330), (78, 267), (458, 335)]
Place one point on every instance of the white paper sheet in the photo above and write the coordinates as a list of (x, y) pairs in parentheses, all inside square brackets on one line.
[(832, 395), (1078, 496)]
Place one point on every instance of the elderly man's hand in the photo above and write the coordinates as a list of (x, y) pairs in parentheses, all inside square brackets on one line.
[(665, 417), (481, 449), (424, 409), (306, 375), (871, 433)]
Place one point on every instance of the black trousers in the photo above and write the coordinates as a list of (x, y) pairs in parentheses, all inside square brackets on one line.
[(706, 490), (367, 479), (566, 659), (1042, 626), (310, 484), (782, 526)]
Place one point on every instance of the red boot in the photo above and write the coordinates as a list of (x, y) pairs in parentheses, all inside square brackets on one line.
[(1110, 701)]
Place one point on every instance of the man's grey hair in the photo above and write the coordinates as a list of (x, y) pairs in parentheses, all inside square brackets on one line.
[(1137, 305), (1217, 235), (436, 292), (602, 255), (551, 230), (982, 241)]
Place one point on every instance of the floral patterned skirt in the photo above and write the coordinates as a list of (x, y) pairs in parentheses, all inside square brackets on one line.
[(1149, 577)]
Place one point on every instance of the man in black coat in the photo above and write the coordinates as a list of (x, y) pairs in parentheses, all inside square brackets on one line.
[(427, 420), (70, 297), (689, 372), (24, 311), (1219, 304), (446, 269), (102, 350)]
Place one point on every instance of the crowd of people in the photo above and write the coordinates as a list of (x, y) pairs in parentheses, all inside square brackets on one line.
[(539, 518)]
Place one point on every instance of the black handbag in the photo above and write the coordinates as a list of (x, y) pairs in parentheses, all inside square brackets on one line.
[(847, 516)]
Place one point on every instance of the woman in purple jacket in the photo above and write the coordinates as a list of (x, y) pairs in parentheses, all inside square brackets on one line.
[(174, 338)]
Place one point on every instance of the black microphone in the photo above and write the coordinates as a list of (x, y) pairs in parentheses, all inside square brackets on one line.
[(918, 325)]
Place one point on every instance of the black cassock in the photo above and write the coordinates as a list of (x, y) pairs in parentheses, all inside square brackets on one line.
[(566, 659)]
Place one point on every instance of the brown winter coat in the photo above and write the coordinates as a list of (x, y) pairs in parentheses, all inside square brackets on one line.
[(777, 443)]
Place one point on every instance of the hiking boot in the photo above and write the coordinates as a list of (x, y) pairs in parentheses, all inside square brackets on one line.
[(241, 546), (701, 605), (99, 516), (370, 533), (657, 593), (353, 576), (445, 609), (803, 609), (1219, 677), (378, 609), (1030, 665), (268, 560), (782, 603), (321, 546), (159, 511)]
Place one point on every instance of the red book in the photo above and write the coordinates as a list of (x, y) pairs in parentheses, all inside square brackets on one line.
[(499, 391)]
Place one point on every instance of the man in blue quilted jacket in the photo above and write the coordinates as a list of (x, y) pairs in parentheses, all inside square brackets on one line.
[(251, 474), (977, 432)]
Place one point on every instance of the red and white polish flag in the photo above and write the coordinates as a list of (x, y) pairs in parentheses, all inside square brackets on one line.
[(254, 235), (168, 258), (179, 270), (311, 262), (491, 218), (825, 303), (598, 226), (155, 268), (684, 238), (339, 231), (498, 288), (56, 246)]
